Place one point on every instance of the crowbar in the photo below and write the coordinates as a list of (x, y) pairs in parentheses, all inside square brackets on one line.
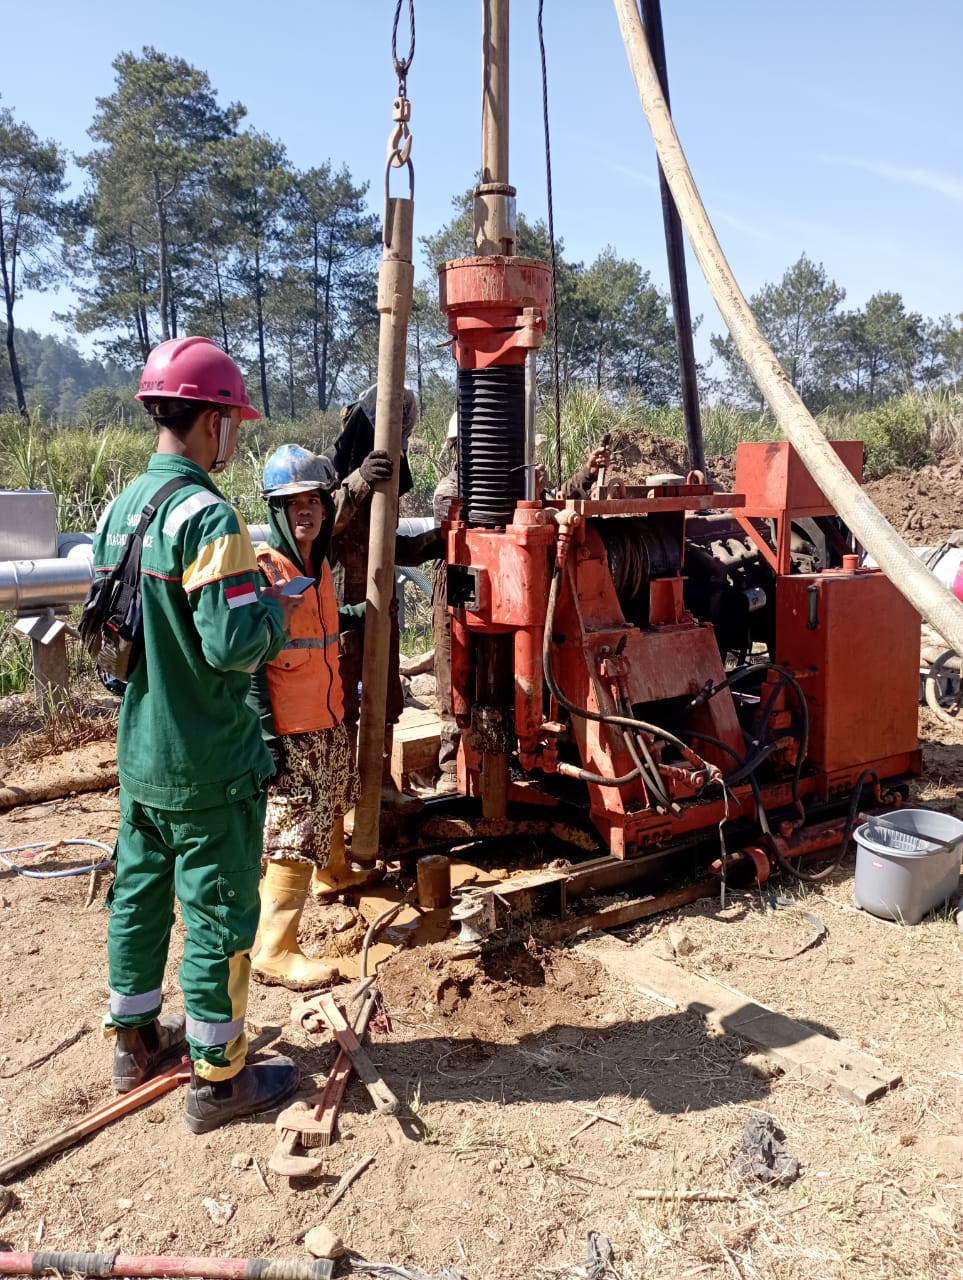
[(151, 1089)]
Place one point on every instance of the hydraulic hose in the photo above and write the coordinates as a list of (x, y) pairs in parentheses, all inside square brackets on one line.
[(599, 717), (736, 677), (920, 586), (814, 877), (600, 780), (649, 771)]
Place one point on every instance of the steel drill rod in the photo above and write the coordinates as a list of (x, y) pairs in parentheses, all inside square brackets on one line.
[(495, 91), (126, 1264), (395, 287), (494, 197)]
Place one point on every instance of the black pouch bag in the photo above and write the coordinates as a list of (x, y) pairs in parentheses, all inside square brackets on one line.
[(111, 620)]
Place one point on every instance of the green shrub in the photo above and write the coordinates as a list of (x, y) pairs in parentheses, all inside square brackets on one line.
[(896, 436)]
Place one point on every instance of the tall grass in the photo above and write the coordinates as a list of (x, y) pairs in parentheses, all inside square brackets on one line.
[(86, 467)]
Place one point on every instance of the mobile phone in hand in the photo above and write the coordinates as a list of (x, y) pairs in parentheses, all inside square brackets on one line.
[(296, 586)]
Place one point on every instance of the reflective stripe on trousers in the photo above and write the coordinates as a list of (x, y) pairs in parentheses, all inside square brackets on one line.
[(122, 1006)]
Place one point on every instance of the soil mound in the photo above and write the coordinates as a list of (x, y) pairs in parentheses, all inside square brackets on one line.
[(924, 506), (499, 996)]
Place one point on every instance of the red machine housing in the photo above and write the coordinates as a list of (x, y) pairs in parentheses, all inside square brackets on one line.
[(633, 648)]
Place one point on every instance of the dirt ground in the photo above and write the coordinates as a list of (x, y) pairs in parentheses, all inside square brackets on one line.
[(503, 1167), (924, 506), (501, 1062)]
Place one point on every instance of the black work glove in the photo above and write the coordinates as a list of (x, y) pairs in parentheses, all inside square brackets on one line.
[(377, 466), (432, 546), (416, 548)]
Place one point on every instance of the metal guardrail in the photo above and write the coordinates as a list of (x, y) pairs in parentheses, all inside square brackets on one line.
[(63, 581), (39, 589)]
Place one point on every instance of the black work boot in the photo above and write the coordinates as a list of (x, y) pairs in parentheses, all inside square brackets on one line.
[(258, 1087), (139, 1051)]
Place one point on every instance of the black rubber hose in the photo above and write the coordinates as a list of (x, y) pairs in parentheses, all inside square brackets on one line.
[(736, 677), (584, 775), (622, 722), (746, 764), (814, 877)]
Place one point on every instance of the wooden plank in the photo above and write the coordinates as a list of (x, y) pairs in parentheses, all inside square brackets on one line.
[(414, 719), (796, 1048), (414, 748)]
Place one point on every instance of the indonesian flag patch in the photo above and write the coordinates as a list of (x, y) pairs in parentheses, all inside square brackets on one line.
[(243, 594)]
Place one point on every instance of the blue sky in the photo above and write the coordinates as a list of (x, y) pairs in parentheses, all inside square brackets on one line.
[(827, 128)]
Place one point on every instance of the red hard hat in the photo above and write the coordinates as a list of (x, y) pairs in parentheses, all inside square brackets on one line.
[(195, 369)]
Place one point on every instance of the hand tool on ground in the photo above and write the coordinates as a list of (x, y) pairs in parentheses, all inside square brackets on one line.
[(327, 1012), (125, 1264), (311, 1123), (67, 1137)]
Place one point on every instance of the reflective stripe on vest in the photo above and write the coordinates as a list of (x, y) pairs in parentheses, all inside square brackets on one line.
[(305, 690), (311, 642)]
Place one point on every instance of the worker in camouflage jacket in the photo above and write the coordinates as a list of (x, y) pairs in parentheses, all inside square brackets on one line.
[(359, 467), (299, 701), (192, 764)]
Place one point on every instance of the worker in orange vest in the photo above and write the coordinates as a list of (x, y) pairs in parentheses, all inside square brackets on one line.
[(299, 698)]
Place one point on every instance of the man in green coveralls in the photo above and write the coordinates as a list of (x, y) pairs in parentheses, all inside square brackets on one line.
[(192, 765)]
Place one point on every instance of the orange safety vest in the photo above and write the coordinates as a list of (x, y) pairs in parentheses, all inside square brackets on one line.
[(304, 680)]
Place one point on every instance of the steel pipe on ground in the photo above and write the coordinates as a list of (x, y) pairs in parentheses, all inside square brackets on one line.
[(57, 583)]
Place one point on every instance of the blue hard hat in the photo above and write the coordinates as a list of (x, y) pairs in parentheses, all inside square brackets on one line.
[(291, 469)]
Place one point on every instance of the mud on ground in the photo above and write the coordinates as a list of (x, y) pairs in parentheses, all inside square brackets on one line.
[(501, 1062)]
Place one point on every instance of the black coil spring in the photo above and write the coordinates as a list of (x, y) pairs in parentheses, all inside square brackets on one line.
[(491, 443)]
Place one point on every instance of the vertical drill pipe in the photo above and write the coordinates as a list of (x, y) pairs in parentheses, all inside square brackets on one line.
[(494, 198), (395, 285), (675, 251), (494, 91), (530, 406)]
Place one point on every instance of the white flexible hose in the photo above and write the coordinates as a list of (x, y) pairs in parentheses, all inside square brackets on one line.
[(55, 875), (920, 587)]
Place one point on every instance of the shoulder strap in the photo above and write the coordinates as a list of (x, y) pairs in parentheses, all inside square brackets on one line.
[(128, 566), (162, 494)]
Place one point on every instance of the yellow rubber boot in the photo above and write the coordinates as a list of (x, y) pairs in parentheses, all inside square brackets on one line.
[(279, 961), (337, 874)]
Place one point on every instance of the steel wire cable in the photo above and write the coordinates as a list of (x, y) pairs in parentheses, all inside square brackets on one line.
[(56, 875), (402, 65), (551, 247)]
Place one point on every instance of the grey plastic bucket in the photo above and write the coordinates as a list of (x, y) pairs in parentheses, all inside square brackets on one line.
[(907, 863)]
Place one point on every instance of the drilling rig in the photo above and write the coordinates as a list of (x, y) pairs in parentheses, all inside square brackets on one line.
[(699, 682)]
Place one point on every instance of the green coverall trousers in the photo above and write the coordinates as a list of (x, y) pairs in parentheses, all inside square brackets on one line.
[(211, 860)]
